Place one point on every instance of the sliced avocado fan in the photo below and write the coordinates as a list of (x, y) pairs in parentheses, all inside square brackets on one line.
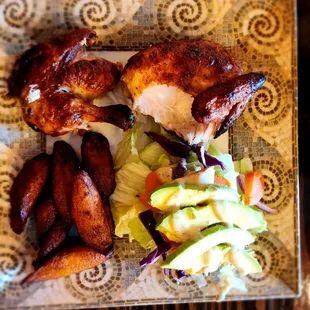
[(209, 238), (186, 223), (172, 197)]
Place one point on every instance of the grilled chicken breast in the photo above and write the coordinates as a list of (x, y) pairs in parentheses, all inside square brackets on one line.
[(163, 80), (57, 81)]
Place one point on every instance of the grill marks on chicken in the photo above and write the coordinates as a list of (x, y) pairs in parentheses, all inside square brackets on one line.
[(57, 81)]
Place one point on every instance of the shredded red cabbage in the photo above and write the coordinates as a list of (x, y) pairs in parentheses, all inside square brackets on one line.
[(182, 150), (179, 171), (205, 158), (240, 181), (180, 274), (174, 148), (151, 257)]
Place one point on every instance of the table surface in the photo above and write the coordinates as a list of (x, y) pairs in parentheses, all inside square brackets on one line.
[(303, 302)]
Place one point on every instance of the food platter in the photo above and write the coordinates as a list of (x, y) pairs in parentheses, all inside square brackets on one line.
[(262, 36)]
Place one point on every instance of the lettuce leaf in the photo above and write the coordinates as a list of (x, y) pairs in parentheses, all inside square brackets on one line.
[(154, 156), (140, 234), (127, 151), (244, 165), (125, 205)]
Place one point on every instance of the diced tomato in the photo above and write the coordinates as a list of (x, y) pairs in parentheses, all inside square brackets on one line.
[(151, 183), (253, 188), (221, 181)]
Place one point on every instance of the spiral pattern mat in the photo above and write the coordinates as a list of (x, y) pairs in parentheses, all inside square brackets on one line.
[(259, 33)]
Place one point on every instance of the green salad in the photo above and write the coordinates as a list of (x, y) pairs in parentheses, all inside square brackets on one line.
[(193, 207)]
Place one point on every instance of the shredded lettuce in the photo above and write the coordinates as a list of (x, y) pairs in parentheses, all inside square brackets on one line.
[(154, 156), (213, 150), (230, 173), (125, 205), (140, 234), (244, 165), (127, 151)]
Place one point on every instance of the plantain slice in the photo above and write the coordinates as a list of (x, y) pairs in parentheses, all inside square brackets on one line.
[(90, 217), (72, 258), (45, 213), (97, 161), (52, 240), (26, 189), (65, 164)]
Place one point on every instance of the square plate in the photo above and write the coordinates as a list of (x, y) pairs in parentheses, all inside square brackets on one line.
[(261, 34)]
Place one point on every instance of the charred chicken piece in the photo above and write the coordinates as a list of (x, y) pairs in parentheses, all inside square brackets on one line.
[(57, 81), (163, 80), (223, 103), (65, 165), (91, 218), (26, 189)]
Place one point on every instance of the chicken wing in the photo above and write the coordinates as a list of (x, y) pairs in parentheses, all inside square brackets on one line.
[(223, 103), (57, 81), (163, 80)]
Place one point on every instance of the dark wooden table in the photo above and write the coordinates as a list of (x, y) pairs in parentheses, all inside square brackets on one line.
[(302, 303)]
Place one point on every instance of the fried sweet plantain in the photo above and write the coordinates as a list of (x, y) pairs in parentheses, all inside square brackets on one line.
[(52, 240), (26, 189), (90, 217), (65, 164), (45, 211), (97, 161), (72, 258)]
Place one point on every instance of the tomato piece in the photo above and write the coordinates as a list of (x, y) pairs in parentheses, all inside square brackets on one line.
[(151, 183), (253, 188), (218, 180)]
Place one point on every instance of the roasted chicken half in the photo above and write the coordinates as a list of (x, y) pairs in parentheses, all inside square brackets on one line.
[(164, 79), (57, 81)]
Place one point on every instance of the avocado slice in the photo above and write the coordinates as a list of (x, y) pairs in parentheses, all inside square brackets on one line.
[(209, 238), (171, 197), (244, 261), (186, 223), (209, 261)]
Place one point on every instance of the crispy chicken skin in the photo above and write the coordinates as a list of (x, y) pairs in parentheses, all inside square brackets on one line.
[(223, 103), (163, 81), (191, 65), (57, 81)]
